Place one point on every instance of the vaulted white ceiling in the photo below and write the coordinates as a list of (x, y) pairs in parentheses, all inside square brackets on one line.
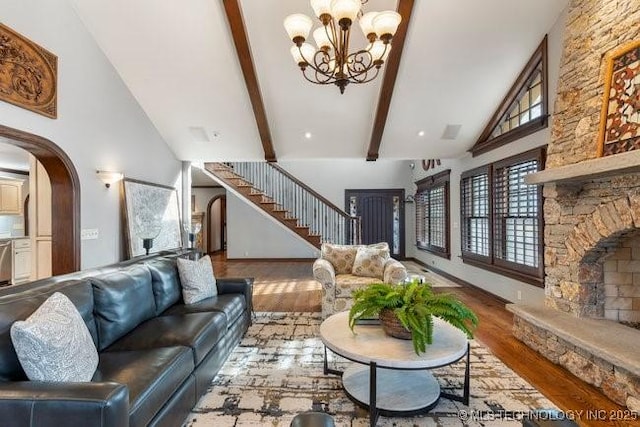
[(178, 60)]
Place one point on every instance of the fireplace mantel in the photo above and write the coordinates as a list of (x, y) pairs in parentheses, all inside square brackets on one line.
[(589, 169)]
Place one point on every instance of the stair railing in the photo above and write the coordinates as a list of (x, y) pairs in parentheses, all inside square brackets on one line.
[(310, 208)]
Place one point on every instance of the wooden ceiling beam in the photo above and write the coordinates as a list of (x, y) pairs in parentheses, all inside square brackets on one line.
[(405, 7), (243, 51)]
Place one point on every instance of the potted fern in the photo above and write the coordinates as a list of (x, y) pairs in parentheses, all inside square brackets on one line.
[(406, 311)]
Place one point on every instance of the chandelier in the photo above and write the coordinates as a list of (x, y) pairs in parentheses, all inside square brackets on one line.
[(332, 62)]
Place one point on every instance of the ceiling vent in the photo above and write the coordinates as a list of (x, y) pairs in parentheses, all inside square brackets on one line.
[(199, 134), (451, 131)]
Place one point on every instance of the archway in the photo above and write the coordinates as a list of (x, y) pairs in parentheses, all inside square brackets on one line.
[(65, 197), (221, 226)]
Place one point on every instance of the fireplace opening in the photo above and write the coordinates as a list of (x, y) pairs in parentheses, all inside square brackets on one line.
[(622, 283)]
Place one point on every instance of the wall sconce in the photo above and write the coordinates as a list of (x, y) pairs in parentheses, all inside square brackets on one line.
[(409, 199), (109, 178)]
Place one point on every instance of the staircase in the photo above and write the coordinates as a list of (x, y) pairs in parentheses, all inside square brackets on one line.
[(285, 198)]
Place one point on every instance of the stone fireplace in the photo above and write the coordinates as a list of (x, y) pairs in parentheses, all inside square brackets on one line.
[(592, 219)]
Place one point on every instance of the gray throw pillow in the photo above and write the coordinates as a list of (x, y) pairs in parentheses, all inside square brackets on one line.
[(54, 344), (197, 279)]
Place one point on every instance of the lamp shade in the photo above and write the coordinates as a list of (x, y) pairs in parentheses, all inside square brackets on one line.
[(379, 50), (386, 22), (308, 52), (320, 7), (298, 25), (322, 38), (366, 23), (341, 9), (109, 178)]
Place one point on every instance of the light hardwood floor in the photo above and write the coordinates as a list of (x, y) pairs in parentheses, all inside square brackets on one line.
[(289, 286)]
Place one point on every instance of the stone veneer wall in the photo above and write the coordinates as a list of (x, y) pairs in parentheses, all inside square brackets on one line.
[(585, 223), (594, 27)]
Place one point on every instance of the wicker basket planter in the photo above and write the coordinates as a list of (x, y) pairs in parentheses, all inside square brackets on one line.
[(391, 325)]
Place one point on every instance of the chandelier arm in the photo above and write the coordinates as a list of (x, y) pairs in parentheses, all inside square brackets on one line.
[(317, 82), (358, 59), (314, 65), (333, 37), (367, 80)]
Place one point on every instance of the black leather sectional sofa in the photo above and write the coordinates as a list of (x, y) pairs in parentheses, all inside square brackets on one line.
[(157, 355)]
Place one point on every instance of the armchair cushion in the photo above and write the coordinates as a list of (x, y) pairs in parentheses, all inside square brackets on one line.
[(341, 257), (370, 262)]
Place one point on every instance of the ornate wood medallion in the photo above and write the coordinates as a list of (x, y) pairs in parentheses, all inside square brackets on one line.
[(28, 74), (620, 115)]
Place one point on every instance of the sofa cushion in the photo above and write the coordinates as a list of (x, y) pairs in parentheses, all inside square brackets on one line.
[(347, 283), (370, 262), (20, 305), (232, 305), (122, 300), (199, 331), (165, 283), (54, 344), (152, 377), (197, 279)]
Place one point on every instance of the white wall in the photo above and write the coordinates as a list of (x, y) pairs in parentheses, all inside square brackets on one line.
[(99, 124), (249, 232), (497, 284)]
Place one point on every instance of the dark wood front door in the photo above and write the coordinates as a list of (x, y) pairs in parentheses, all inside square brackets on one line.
[(382, 216)]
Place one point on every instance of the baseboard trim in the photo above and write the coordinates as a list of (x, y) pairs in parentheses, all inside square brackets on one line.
[(457, 280), (272, 259)]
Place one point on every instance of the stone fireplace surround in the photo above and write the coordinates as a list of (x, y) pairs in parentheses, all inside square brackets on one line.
[(592, 275)]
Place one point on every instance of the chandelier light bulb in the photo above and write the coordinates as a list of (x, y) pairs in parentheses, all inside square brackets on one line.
[(379, 51), (308, 52), (298, 27), (321, 38), (366, 23), (345, 9), (297, 56), (386, 23), (321, 7)]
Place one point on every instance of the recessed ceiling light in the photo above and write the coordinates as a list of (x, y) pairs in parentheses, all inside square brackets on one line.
[(307, 135), (421, 133)]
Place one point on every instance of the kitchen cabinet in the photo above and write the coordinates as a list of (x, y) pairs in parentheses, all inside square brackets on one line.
[(10, 197), (21, 250)]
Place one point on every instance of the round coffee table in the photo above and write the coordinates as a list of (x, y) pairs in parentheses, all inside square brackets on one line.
[(390, 378)]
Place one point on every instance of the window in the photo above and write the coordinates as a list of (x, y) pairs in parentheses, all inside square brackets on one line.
[(501, 217), (524, 108), (432, 214)]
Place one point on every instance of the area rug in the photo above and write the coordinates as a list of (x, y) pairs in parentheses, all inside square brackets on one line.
[(276, 372)]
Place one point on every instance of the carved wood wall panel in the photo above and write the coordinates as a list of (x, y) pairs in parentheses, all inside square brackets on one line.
[(28, 74)]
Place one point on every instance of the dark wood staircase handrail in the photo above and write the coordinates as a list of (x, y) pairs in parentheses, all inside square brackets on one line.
[(310, 190), (288, 200)]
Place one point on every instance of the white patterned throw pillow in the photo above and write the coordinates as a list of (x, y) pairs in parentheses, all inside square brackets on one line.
[(197, 279), (370, 262), (54, 344)]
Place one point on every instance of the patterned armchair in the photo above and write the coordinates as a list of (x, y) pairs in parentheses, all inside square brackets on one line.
[(341, 269)]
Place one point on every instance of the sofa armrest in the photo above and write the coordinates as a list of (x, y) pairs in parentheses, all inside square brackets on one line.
[(323, 271), (43, 404), (394, 271), (237, 285)]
